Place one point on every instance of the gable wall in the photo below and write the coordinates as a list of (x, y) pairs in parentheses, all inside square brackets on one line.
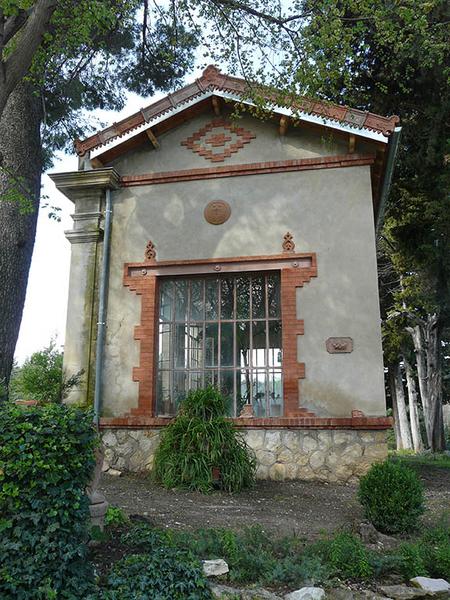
[(300, 142)]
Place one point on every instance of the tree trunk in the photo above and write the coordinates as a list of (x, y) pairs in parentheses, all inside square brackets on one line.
[(418, 339), (391, 379), (413, 407), (20, 174), (405, 432), (434, 370), (427, 345)]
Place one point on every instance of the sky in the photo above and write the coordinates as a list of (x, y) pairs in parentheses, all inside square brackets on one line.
[(44, 315)]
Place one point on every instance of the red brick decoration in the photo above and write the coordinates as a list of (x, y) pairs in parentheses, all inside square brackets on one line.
[(218, 140), (261, 168), (300, 422)]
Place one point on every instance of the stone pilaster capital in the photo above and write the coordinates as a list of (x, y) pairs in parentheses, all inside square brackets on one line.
[(76, 184)]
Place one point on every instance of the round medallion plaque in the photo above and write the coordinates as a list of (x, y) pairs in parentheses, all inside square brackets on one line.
[(217, 212)]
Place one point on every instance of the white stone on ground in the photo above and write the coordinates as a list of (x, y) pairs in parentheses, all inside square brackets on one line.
[(431, 585), (212, 568), (114, 472), (306, 593), (402, 592)]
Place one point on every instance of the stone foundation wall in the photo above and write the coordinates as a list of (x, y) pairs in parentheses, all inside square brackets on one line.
[(323, 455)]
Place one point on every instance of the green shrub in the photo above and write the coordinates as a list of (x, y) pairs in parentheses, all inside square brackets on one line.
[(115, 517), (165, 574), (297, 571), (412, 563), (435, 544), (46, 460), (199, 440), (392, 497), (42, 377), (345, 556)]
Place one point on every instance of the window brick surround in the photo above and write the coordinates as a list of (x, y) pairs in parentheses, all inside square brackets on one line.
[(142, 278)]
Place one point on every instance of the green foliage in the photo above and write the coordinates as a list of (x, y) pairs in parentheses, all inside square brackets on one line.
[(392, 497), (345, 556), (46, 460), (115, 517), (412, 562), (429, 555), (199, 440), (435, 545), (164, 574), (42, 378)]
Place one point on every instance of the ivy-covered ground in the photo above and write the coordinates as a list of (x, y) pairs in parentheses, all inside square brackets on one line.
[(283, 508)]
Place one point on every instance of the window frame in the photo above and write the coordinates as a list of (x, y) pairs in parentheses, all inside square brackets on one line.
[(169, 323)]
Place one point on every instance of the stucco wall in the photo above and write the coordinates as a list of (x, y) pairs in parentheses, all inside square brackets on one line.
[(328, 211)]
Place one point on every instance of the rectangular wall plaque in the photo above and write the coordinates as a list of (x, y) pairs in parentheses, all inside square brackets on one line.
[(339, 345)]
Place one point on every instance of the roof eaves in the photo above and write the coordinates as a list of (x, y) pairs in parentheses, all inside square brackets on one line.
[(212, 80)]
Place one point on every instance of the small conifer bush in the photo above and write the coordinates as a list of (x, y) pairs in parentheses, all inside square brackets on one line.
[(201, 450), (392, 497)]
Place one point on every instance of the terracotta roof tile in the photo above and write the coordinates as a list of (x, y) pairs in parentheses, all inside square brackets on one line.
[(212, 79)]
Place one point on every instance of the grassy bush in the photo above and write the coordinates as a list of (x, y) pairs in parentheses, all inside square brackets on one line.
[(199, 440), (165, 574), (46, 460), (392, 497)]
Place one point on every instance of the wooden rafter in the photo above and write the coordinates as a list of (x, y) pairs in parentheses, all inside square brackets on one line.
[(216, 105), (152, 138), (351, 143), (284, 122)]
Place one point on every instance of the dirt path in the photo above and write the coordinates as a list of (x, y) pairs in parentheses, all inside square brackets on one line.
[(303, 508)]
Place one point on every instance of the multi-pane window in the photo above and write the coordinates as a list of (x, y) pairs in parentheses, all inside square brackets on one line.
[(223, 330)]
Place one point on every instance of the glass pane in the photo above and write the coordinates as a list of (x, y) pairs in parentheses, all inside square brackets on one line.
[(259, 393), (273, 293), (180, 347), (165, 300), (197, 305), (227, 390), (275, 352), (226, 344), (180, 388), (181, 302), (258, 298), (259, 343), (243, 387), (212, 377), (164, 346), (163, 396), (243, 344), (211, 299), (227, 298), (211, 344), (195, 380), (243, 297), (275, 394), (196, 347)]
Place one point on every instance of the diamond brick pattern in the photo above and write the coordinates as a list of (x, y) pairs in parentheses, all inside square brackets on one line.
[(218, 140)]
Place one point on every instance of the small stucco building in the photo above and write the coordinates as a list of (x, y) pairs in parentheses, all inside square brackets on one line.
[(210, 247)]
